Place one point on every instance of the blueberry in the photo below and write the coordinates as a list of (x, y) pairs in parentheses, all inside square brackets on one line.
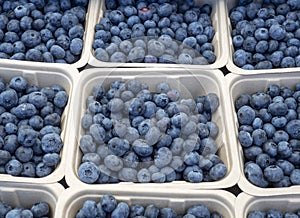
[(263, 160), (235, 17), (255, 175), (240, 57), (57, 51), (246, 115), (257, 214), (8, 98), (208, 146), (136, 210), (69, 20), (10, 143), (277, 32), (31, 38), (164, 10), (167, 212), (116, 17), (5, 157), (29, 169), (156, 48), (250, 44), (295, 177), (118, 146), (51, 143), (4, 20), (287, 62), (14, 167), (88, 172), (118, 57), (24, 154), (122, 210), (127, 174), (60, 99), (108, 203), (245, 138), (51, 160), (163, 157), (292, 128), (136, 54), (199, 210), (279, 136), (286, 166), (273, 173)]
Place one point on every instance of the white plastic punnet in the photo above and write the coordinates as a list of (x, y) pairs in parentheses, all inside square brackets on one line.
[(26, 195), (190, 83), (284, 203), (45, 76), (221, 201), (238, 84), (220, 40), (230, 65), (87, 42)]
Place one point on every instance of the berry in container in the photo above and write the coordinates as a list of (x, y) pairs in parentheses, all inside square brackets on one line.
[(145, 129), (266, 131), (29, 200), (46, 31), (263, 36), (170, 34), (148, 202), (35, 103), (271, 205)]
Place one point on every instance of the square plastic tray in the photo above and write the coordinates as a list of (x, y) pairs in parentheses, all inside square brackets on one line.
[(88, 34), (238, 84), (285, 203), (230, 65), (26, 195), (216, 200), (219, 41), (45, 76), (190, 83)]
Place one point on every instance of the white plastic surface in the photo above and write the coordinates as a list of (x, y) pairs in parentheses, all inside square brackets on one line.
[(190, 83), (285, 203), (238, 84), (26, 195), (216, 200), (88, 34), (219, 41), (234, 68), (45, 76)]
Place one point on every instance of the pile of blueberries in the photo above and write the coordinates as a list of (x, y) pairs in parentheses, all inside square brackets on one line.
[(135, 135), (269, 133), (273, 213), (30, 120), (108, 206), (40, 209), (161, 31), (266, 35), (42, 30)]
